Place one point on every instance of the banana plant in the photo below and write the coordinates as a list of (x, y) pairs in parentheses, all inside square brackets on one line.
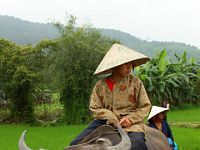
[(170, 80)]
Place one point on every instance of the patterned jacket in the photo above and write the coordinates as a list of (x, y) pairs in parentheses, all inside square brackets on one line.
[(128, 98)]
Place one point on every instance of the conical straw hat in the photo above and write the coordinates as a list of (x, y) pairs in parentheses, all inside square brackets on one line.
[(118, 55), (156, 110)]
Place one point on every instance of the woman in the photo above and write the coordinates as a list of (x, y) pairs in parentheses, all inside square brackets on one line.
[(120, 97), (157, 120)]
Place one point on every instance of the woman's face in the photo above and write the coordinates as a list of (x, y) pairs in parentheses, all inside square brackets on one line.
[(124, 69), (158, 118), (161, 116)]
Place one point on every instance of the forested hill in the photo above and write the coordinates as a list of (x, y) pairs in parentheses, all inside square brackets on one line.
[(25, 32), (150, 48)]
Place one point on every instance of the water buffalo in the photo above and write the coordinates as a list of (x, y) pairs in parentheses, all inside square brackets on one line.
[(107, 138)]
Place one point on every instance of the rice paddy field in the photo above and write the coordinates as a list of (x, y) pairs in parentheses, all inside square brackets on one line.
[(187, 138), (185, 125), (51, 138)]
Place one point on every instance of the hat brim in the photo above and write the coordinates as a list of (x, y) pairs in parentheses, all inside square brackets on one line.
[(135, 63), (118, 55), (155, 110)]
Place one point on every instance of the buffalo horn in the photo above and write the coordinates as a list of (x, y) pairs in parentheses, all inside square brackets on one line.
[(22, 144), (125, 143)]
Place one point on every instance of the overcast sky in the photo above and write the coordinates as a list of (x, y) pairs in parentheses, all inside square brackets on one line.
[(161, 20)]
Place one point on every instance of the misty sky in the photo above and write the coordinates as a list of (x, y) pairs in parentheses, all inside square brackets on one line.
[(161, 20)]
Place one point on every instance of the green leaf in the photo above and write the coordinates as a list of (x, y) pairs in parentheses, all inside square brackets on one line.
[(162, 60)]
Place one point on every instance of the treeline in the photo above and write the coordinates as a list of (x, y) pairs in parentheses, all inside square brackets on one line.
[(66, 64), (24, 32)]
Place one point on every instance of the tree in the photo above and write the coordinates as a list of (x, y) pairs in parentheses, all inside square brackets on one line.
[(22, 109), (20, 70), (74, 57)]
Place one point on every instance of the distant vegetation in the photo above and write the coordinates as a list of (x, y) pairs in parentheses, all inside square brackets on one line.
[(25, 32), (151, 48)]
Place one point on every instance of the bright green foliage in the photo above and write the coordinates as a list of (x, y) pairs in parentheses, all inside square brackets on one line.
[(172, 80)]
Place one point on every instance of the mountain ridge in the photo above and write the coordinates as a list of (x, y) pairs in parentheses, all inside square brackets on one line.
[(26, 32)]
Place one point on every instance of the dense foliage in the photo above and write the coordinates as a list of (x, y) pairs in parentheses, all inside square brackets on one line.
[(175, 80), (19, 72)]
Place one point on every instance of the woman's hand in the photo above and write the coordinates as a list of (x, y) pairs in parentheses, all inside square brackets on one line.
[(125, 122)]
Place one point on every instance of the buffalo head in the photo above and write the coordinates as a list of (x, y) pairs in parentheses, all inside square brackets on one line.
[(98, 143)]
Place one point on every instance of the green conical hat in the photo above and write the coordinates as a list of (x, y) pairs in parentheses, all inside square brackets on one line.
[(118, 55)]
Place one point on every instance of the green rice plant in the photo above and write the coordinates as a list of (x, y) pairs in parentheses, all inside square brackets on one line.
[(56, 138), (187, 115), (51, 138), (187, 138)]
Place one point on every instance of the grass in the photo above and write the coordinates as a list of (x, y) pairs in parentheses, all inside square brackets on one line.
[(187, 115), (187, 138), (51, 138), (185, 125), (57, 138)]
